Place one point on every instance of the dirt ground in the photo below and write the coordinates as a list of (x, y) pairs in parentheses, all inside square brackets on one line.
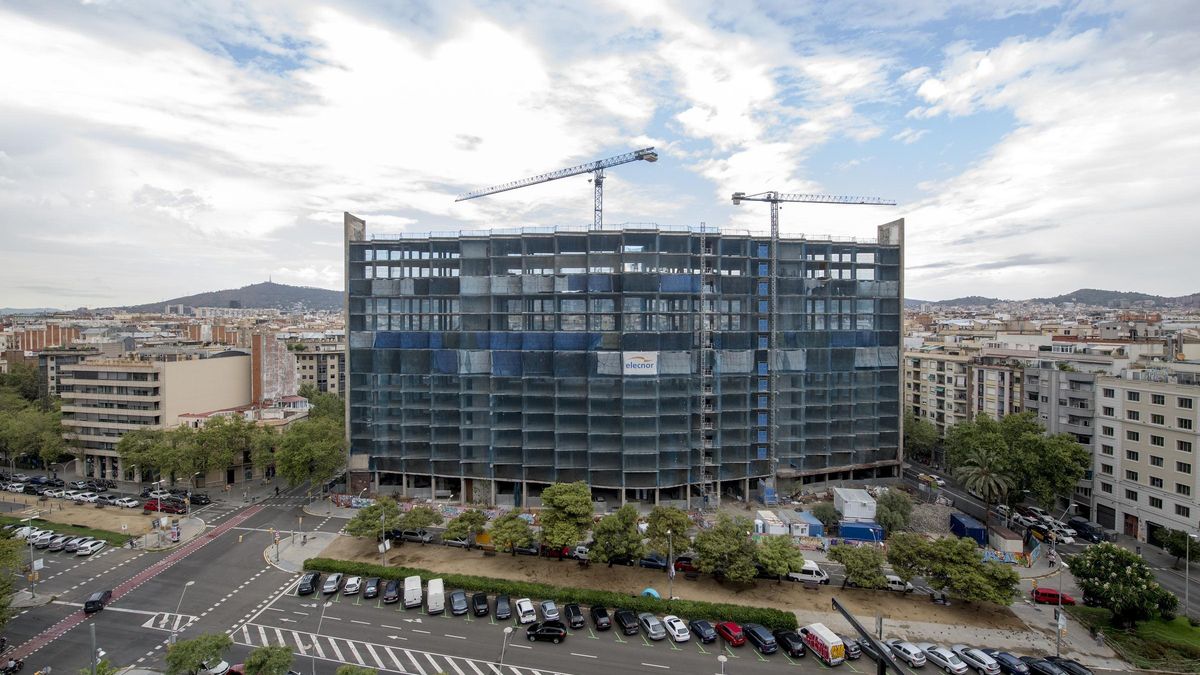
[(786, 596), (108, 518)]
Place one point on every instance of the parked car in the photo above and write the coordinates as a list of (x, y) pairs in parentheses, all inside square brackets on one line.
[(978, 659), (86, 497), (943, 658), (626, 621), (162, 506), (370, 588), (731, 633), (1010, 664), (419, 536), (653, 561), (70, 494), (600, 618), (853, 653), (790, 642), (581, 552), (761, 638), (907, 652), (31, 489), (479, 604), (73, 545), (1087, 530), (54, 492), (703, 630), (574, 616), (127, 502), (107, 500), (525, 612), (503, 607), (55, 482), (44, 540), (59, 542), (1071, 666), (158, 494), (458, 602), (200, 499), (555, 552), (91, 547), (1039, 666), (652, 626), (549, 610), (1064, 534), (895, 583), (810, 572), (868, 648), (685, 563), (391, 591), (1050, 596), (460, 542), (353, 586), (333, 583), (213, 667), (549, 631), (676, 628), (19, 478)]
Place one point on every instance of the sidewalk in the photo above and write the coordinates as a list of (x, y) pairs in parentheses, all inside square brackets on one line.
[(23, 599), (324, 507), (291, 556), (189, 529)]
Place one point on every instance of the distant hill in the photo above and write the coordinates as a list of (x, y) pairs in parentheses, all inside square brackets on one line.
[(1083, 296), (266, 295), (968, 301), (29, 310)]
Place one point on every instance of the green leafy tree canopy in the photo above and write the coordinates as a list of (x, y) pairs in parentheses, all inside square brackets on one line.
[(366, 523), (778, 555), (864, 565), (952, 565), (355, 670), (727, 546), (420, 517), (827, 513), (189, 656), (1120, 581), (920, 437), (617, 535), (567, 513), (509, 531), (272, 660), (466, 525), (664, 519), (313, 449)]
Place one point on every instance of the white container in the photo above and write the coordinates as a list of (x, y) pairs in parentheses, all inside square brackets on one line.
[(854, 504)]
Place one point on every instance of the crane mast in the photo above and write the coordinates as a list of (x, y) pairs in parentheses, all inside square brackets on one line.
[(595, 168), (775, 199)]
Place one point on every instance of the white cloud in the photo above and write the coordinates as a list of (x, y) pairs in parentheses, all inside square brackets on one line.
[(908, 135)]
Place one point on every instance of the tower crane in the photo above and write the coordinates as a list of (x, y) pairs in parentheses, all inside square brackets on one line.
[(775, 199), (595, 168)]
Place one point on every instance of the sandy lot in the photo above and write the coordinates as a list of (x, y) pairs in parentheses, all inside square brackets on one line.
[(786, 596), (108, 518)]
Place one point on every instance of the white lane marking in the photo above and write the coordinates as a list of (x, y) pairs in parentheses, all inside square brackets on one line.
[(655, 665), (456, 637), (365, 623), (395, 660), (279, 636), (337, 652), (455, 667), (586, 656), (371, 651), (262, 633), (418, 630), (416, 664)]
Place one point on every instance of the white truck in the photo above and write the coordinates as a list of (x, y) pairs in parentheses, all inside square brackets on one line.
[(412, 592), (810, 572), (824, 643), (435, 597)]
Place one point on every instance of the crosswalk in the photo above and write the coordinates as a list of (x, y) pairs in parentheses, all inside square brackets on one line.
[(169, 621), (373, 655)]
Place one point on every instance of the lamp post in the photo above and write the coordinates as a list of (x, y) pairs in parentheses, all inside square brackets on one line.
[(97, 653), (178, 606), (318, 633), (383, 540), (721, 659), (504, 643), (187, 502), (32, 573), (670, 565), (1187, 577)]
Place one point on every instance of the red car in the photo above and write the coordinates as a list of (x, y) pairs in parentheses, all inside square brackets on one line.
[(161, 506), (685, 564), (1049, 596), (732, 633)]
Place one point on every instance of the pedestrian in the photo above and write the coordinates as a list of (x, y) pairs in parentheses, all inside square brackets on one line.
[(276, 490)]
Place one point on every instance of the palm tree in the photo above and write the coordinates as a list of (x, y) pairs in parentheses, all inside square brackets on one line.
[(980, 472)]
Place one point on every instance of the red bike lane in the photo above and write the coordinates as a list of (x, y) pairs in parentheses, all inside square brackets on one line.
[(75, 618)]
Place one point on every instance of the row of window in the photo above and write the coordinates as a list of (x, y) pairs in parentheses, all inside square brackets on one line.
[(1154, 502), (1183, 423), (1155, 418), (1155, 399)]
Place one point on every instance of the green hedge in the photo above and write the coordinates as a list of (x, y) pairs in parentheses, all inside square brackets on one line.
[(688, 609)]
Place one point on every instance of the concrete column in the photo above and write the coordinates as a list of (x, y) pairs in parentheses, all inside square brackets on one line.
[(462, 493), (492, 492), (403, 485), (524, 495), (657, 492)]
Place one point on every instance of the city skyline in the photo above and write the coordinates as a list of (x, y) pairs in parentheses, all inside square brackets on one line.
[(155, 151)]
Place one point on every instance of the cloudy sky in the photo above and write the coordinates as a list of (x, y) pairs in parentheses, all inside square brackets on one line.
[(154, 149)]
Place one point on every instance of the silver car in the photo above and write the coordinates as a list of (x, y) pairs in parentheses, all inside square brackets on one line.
[(353, 585), (549, 610), (943, 658), (907, 652), (977, 659), (653, 627), (333, 583)]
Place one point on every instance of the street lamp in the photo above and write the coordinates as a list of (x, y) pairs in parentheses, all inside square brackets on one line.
[(178, 606), (187, 502), (721, 658), (1187, 577), (32, 573), (504, 644), (321, 621), (670, 565)]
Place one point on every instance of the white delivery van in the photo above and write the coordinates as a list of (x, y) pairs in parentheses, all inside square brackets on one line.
[(811, 572), (824, 643), (412, 592), (435, 597)]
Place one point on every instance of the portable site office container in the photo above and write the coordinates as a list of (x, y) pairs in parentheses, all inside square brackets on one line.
[(854, 504)]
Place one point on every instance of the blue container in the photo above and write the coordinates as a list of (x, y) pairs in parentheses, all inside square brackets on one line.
[(963, 525), (864, 530)]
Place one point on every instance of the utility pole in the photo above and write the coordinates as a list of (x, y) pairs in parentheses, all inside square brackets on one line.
[(670, 565)]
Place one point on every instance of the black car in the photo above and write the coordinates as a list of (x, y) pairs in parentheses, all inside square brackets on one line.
[(653, 561), (600, 617), (1086, 529), (529, 549), (200, 499), (38, 480), (503, 607), (703, 630), (31, 489), (760, 637), (626, 621), (1042, 666), (479, 604), (1009, 663), (852, 650), (391, 592), (56, 482), (145, 493), (574, 616), (791, 643), (549, 631), (370, 588), (1072, 666), (458, 602), (868, 648), (309, 583), (620, 560)]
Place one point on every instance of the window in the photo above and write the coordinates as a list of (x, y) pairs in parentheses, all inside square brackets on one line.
[(1158, 399), (1185, 403), (1106, 469), (1181, 510), (1132, 436), (1183, 489), (1132, 455), (1106, 487), (1131, 475), (1133, 396), (1183, 446), (1108, 411), (1158, 441), (1183, 467), (1106, 431), (1155, 503), (1184, 423), (1156, 482), (1157, 419), (1109, 393), (1106, 450), (1131, 495), (1133, 415), (1156, 461)]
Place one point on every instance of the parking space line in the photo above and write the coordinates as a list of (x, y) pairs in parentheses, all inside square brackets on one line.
[(371, 651), (395, 660), (336, 652), (415, 663), (354, 650)]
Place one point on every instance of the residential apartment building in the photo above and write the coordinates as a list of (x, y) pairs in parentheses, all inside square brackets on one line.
[(321, 364), (1145, 450), (679, 365), (1062, 399), (936, 386)]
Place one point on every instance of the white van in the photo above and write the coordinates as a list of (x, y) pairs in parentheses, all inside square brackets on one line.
[(811, 572), (435, 597), (412, 592)]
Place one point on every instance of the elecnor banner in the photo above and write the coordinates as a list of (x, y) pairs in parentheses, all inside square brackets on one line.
[(639, 363)]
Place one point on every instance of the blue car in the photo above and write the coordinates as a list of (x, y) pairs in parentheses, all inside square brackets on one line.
[(1008, 662)]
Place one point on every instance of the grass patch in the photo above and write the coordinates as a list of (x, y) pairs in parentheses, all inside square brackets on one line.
[(1154, 644), (112, 538)]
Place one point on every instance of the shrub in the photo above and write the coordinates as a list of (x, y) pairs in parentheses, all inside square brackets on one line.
[(691, 609)]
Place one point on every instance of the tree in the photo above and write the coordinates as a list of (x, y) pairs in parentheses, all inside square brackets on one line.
[(1120, 581), (864, 565), (11, 562), (906, 554), (103, 667), (271, 660), (510, 531), (981, 473), (617, 536), (726, 546), (355, 670), (920, 437), (952, 565), (188, 656), (311, 450), (778, 555), (22, 378), (419, 518), (664, 519), (1179, 544), (323, 405), (224, 441), (891, 521), (466, 526), (827, 513), (567, 513), (366, 523)]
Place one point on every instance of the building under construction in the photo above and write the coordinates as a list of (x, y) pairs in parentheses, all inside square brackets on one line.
[(659, 364)]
